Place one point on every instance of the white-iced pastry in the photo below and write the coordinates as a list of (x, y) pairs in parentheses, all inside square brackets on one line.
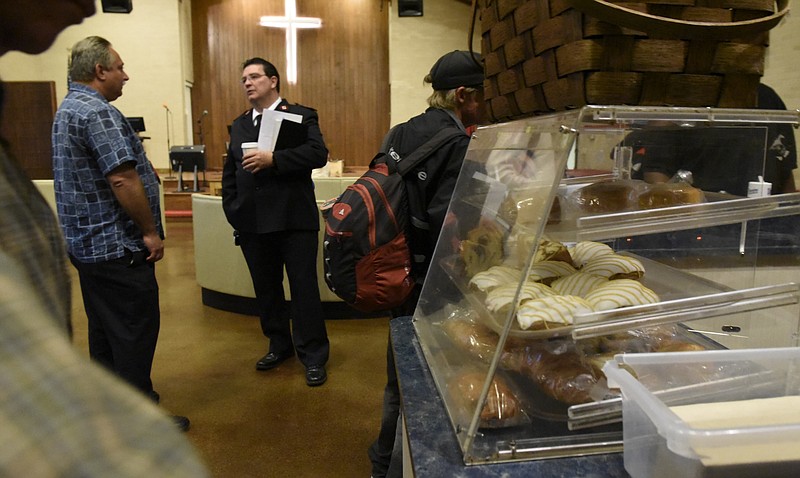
[(585, 251), (547, 271), (495, 276), (579, 283), (551, 312), (620, 293), (503, 296), (614, 266)]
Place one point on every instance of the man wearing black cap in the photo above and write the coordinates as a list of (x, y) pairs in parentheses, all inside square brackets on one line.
[(456, 101)]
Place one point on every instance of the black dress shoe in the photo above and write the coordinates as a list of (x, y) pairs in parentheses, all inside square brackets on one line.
[(316, 375), (272, 360), (181, 422)]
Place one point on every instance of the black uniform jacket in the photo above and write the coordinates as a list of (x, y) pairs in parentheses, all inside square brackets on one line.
[(280, 198)]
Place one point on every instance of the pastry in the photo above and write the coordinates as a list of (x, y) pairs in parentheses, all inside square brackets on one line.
[(552, 251), (579, 283), (521, 244), (502, 408), (500, 298), (495, 276), (562, 376), (482, 249), (614, 266), (551, 312), (619, 293), (605, 197), (548, 271), (479, 341), (585, 251), (670, 194)]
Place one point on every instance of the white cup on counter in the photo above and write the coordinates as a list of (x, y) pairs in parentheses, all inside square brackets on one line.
[(760, 188)]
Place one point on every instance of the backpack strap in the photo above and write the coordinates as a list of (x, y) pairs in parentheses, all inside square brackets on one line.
[(442, 137)]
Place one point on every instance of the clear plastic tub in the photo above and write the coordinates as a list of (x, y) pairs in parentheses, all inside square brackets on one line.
[(726, 413)]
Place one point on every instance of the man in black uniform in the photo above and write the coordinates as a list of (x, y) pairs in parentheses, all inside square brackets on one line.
[(457, 100), (268, 198)]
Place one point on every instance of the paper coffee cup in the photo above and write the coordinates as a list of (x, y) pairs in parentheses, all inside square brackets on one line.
[(247, 147), (757, 189)]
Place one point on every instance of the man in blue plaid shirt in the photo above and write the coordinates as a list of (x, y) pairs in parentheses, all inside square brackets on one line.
[(107, 199), (60, 415)]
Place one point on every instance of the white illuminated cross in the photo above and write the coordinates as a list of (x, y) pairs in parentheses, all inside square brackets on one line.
[(291, 23)]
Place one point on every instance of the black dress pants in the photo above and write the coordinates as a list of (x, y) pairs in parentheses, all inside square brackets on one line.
[(121, 302), (266, 255)]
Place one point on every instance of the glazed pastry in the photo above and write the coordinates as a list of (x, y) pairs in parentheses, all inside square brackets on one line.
[(585, 251), (522, 243), (552, 251), (548, 271), (620, 293), (551, 312), (495, 276), (615, 266), (500, 298), (482, 249), (579, 283)]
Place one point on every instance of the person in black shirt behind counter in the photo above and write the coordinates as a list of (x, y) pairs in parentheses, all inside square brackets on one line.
[(721, 159)]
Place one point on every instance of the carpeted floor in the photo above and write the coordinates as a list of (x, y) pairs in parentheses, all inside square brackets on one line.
[(259, 424)]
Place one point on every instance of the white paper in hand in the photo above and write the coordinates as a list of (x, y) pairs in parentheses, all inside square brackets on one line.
[(271, 126)]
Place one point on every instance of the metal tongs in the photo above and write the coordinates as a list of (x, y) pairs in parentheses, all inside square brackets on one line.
[(751, 385)]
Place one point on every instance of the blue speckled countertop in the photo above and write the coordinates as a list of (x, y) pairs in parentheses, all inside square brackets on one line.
[(432, 442)]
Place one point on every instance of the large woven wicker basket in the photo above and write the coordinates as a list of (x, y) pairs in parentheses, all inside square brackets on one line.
[(550, 55)]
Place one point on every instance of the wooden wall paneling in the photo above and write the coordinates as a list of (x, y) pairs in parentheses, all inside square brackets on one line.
[(343, 69), (28, 111)]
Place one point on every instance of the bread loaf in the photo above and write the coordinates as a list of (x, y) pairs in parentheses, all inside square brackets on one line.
[(561, 376), (670, 194), (605, 197), (502, 407)]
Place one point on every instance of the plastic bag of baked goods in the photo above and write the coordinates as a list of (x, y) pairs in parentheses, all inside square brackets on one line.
[(662, 338), (559, 371), (606, 197), (659, 195), (463, 327), (503, 406)]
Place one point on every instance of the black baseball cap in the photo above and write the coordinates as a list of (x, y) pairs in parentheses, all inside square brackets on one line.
[(455, 69)]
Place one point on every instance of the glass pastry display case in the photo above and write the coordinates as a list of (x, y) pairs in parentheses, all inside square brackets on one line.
[(580, 235)]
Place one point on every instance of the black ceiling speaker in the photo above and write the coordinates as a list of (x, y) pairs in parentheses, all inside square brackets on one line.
[(117, 6), (409, 8)]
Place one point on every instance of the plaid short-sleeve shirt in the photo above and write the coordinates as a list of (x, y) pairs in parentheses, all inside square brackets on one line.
[(90, 139)]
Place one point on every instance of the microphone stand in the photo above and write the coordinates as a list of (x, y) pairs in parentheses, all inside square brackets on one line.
[(167, 112), (202, 143)]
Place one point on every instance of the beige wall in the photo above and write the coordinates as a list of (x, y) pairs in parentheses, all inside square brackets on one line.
[(415, 43), (149, 40)]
